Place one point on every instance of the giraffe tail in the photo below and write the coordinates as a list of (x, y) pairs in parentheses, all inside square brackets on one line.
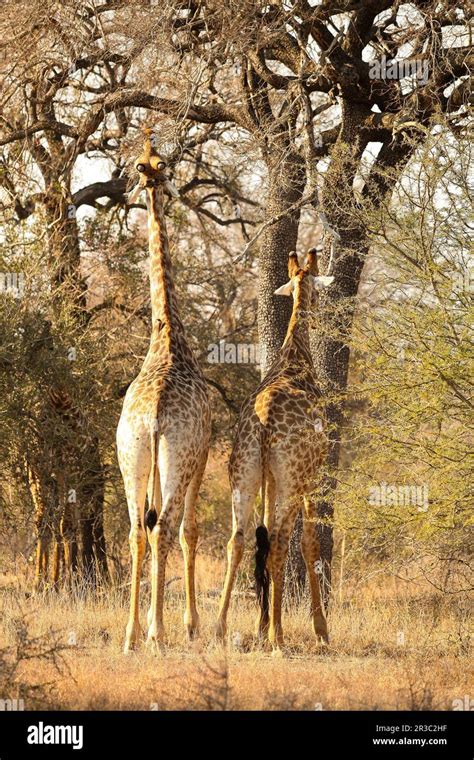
[(151, 515), (262, 577)]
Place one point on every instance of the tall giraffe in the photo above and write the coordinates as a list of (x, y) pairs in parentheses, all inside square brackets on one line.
[(164, 430), (279, 445)]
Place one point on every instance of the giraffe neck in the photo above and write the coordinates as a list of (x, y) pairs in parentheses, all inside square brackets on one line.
[(297, 335), (295, 354), (167, 329)]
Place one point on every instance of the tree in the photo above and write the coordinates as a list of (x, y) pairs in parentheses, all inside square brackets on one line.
[(405, 485)]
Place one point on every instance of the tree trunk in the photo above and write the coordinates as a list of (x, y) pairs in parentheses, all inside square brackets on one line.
[(332, 366), (330, 346), (87, 547), (286, 187), (330, 343), (64, 250), (67, 283)]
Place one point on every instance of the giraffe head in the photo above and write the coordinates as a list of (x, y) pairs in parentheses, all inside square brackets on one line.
[(305, 280), (152, 169)]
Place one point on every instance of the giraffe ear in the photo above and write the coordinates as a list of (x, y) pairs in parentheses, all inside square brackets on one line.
[(323, 281), (285, 290), (172, 189), (134, 194)]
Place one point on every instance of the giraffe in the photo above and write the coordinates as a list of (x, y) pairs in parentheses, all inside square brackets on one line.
[(279, 444), (164, 429), (64, 475), (43, 489), (49, 470), (65, 479)]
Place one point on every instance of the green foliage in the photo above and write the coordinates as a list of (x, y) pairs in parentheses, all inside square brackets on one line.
[(412, 371)]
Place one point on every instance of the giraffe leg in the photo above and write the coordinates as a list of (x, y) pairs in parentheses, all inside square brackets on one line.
[(263, 620), (311, 555), (41, 565), (279, 543), (242, 503), (45, 555), (133, 449), (69, 540), (154, 502), (136, 492), (137, 540), (43, 533), (57, 553), (161, 538), (188, 536)]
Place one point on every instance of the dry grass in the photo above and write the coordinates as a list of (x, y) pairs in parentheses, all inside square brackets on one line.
[(366, 666)]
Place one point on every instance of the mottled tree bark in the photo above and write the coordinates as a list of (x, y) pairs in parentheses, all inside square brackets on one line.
[(67, 283), (286, 186), (331, 355), (330, 341)]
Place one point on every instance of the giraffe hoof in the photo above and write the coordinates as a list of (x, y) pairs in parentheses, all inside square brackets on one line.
[(149, 617), (220, 632), (321, 631), (263, 642), (155, 640), (192, 632), (262, 632), (191, 625), (155, 646), (132, 636)]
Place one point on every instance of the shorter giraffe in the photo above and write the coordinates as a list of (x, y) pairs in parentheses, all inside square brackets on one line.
[(65, 478), (279, 445), (64, 454)]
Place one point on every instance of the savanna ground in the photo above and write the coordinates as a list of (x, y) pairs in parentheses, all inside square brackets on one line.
[(394, 645)]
